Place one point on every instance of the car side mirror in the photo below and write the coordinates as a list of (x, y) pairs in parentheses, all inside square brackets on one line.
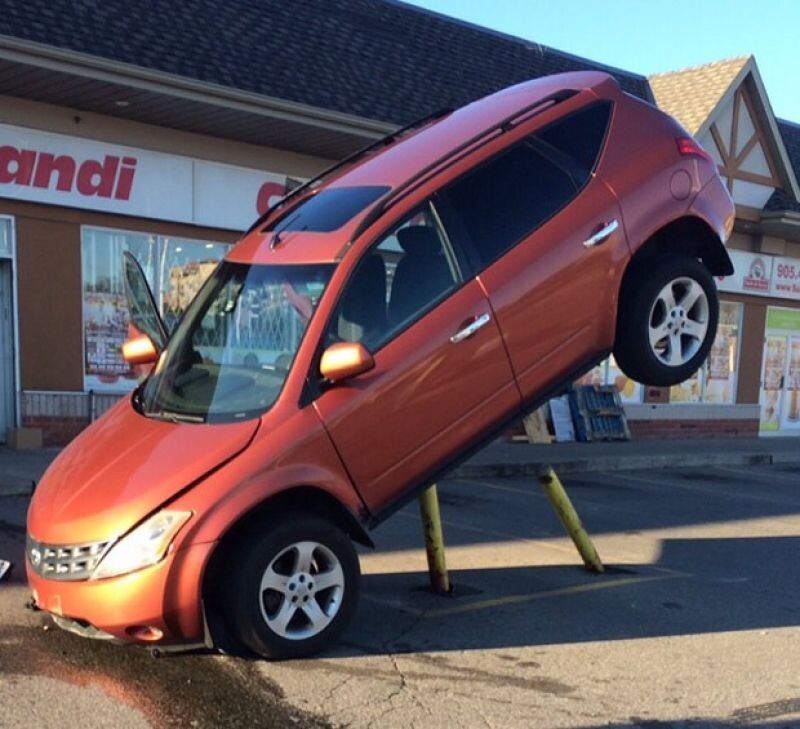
[(344, 360), (139, 350)]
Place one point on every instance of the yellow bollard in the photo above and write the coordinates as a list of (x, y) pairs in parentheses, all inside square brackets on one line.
[(434, 540), (569, 518)]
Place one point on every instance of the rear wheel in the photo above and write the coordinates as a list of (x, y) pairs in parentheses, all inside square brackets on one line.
[(294, 587), (667, 320)]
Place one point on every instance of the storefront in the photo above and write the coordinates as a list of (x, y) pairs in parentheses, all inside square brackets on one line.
[(70, 208), (99, 155)]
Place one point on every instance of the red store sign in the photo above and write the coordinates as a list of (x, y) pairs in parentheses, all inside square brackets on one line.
[(60, 170)]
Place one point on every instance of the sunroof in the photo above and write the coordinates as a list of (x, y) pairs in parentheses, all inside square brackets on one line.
[(328, 210)]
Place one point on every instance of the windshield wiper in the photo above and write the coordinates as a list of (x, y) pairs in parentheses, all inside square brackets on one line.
[(175, 417)]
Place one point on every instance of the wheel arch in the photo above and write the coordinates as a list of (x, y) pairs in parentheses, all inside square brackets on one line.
[(308, 499), (689, 235)]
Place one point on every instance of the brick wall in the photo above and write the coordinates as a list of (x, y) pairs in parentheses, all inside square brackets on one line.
[(62, 415), (56, 431)]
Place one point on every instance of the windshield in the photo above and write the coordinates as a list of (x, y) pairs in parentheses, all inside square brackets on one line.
[(230, 354)]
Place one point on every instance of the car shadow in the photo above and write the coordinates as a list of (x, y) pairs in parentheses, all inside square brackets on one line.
[(697, 586)]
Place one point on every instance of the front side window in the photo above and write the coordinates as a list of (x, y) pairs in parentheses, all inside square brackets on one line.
[(404, 275), (231, 353)]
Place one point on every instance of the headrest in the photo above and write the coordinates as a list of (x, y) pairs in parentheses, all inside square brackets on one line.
[(419, 240)]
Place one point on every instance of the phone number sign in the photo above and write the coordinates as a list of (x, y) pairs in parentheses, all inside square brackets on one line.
[(786, 278), (762, 275)]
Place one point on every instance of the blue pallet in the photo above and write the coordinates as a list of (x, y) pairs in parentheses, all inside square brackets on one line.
[(598, 413)]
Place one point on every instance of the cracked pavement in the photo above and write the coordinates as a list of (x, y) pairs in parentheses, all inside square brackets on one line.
[(695, 624)]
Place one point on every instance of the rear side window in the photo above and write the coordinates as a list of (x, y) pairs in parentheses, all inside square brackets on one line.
[(580, 136), (508, 197)]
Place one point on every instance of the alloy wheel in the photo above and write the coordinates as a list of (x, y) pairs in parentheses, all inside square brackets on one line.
[(679, 321)]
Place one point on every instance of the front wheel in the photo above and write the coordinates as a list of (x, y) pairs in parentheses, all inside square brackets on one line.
[(294, 586), (667, 321)]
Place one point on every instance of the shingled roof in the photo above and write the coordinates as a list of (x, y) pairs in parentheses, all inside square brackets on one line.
[(376, 59), (692, 94)]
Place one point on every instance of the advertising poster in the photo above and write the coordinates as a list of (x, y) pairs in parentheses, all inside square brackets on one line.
[(790, 412), (721, 363), (105, 328), (772, 379)]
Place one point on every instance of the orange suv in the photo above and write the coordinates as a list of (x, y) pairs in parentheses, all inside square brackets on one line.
[(377, 325)]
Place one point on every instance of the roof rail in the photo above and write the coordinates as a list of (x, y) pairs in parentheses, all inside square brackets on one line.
[(503, 126), (350, 159)]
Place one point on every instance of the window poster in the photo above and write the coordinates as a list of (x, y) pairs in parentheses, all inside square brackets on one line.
[(790, 419), (772, 381)]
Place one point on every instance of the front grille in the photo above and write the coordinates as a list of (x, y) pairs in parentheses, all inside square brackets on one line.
[(64, 561)]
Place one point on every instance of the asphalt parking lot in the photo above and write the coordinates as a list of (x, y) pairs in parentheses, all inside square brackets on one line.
[(695, 623)]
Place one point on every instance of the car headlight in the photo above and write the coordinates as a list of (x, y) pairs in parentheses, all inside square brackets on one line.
[(144, 546)]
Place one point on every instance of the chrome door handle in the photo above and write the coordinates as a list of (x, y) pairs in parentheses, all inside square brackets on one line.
[(470, 329), (602, 235)]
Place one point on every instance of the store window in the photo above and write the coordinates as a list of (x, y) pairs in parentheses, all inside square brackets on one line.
[(715, 381), (608, 373), (175, 269)]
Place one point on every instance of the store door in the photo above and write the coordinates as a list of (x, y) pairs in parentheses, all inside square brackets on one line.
[(780, 373), (6, 350)]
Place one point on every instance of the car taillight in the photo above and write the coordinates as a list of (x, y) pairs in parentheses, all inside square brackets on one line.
[(690, 148)]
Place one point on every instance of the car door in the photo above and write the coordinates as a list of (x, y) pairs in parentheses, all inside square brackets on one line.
[(547, 233), (441, 377)]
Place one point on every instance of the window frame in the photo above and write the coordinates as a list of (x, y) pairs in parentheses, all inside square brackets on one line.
[(466, 239)]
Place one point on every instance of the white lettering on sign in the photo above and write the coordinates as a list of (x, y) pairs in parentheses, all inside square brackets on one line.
[(60, 170), (786, 278)]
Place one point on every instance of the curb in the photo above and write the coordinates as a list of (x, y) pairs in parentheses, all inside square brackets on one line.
[(17, 487), (625, 463)]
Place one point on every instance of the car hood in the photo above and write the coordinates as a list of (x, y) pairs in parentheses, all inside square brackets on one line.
[(123, 467)]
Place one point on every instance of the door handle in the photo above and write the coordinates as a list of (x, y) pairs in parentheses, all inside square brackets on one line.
[(602, 235), (470, 329)]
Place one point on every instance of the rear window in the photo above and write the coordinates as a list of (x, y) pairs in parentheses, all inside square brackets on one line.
[(328, 210)]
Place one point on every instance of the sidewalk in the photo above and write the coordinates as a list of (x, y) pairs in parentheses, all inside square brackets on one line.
[(20, 469), (523, 459)]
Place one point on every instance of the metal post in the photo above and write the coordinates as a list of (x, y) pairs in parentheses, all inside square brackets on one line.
[(569, 518), (434, 540)]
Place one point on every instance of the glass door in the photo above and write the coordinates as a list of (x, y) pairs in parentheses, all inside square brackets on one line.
[(7, 329), (780, 373), (772, 377)]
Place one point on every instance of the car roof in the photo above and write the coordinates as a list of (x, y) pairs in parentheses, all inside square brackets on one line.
[(399, 162)]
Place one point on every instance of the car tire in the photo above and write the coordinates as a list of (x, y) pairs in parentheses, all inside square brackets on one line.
[(294, 586), (667, 321)]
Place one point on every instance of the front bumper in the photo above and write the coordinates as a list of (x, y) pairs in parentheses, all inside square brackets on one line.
[(163, 599)]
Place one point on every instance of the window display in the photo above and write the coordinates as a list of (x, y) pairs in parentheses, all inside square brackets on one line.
[(608, 373), (175, 269), (715, 381)]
